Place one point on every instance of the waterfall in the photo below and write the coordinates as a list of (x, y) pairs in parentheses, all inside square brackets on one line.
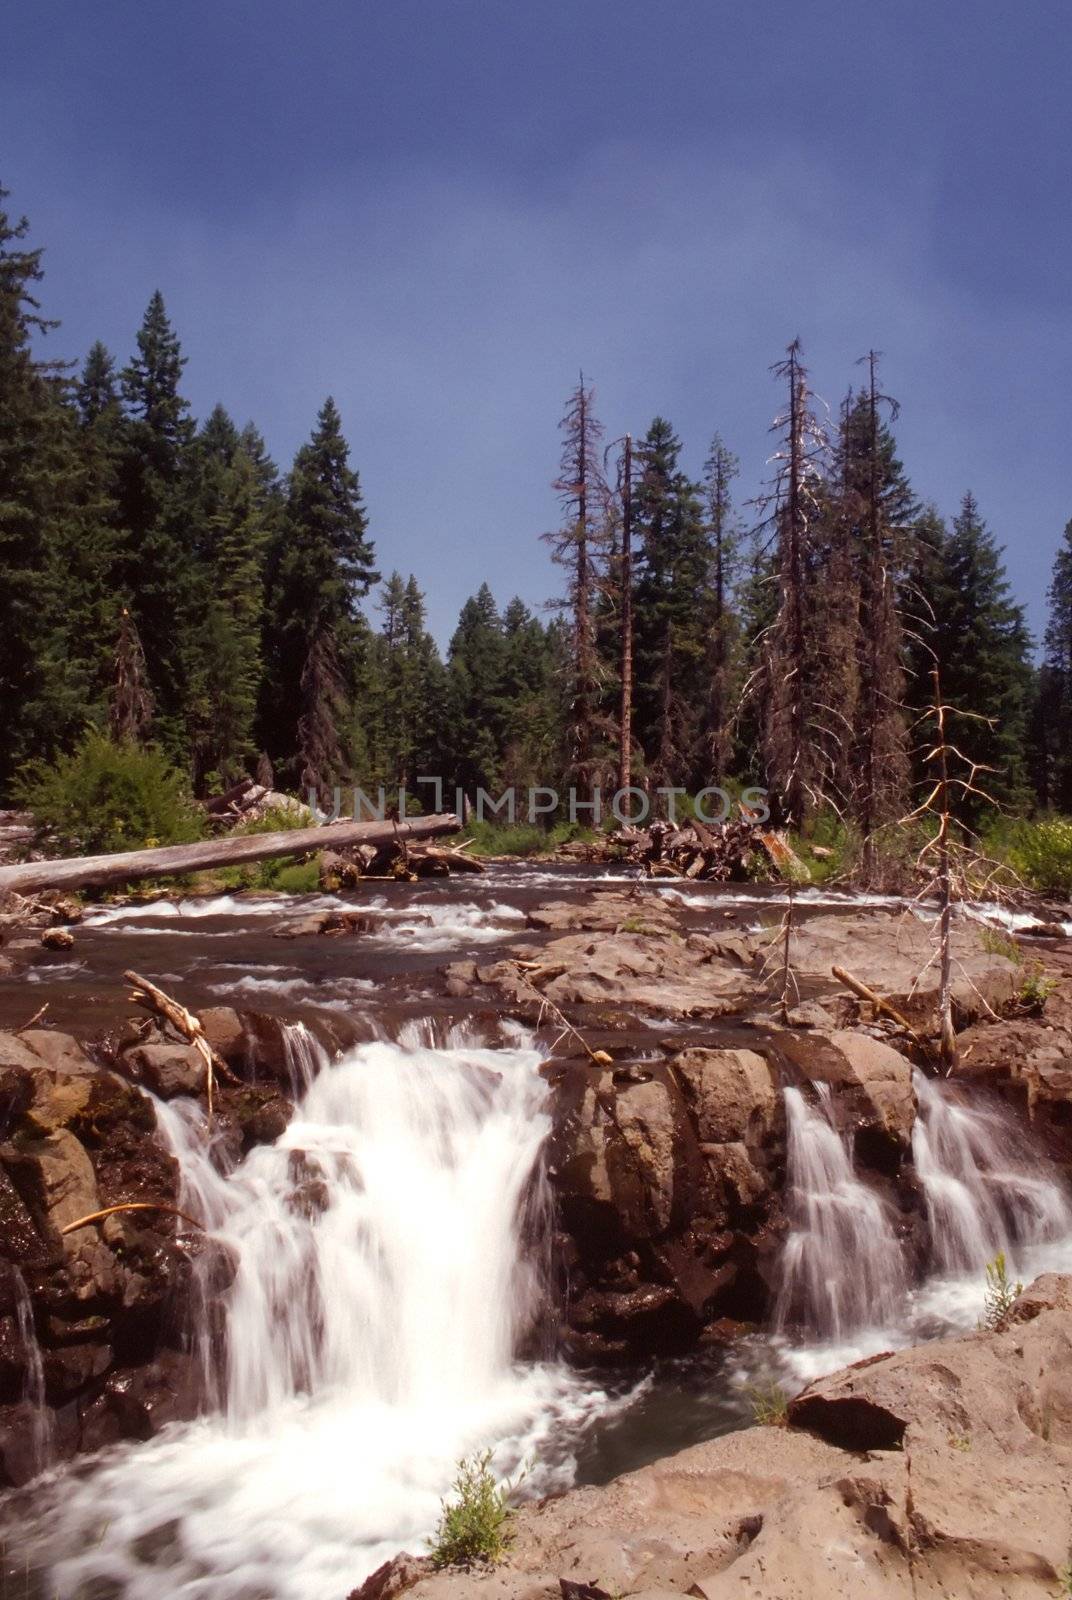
[(385, 1273), (34, 1382), (984, 1190), (842, 1267)]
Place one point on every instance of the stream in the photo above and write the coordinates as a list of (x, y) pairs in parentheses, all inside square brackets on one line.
[(373, 1333)]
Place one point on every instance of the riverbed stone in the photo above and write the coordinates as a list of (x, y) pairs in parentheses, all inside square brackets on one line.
[(733, 1094), (167, 1069)]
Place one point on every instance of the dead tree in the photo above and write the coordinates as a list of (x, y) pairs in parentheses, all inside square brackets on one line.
[(131, 708), (952, 866), (575, 546)]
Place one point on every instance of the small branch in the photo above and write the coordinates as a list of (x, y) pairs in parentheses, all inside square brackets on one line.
[(878, 1002), (38, 1014), (599, 1058), (153, 999), (132, 1205)]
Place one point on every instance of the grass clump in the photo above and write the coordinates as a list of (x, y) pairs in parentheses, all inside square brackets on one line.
[(474, 1523), (522, 838), (108, 795), (1001, 1292), (770, 1404)]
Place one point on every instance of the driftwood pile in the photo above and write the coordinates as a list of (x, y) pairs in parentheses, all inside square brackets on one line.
[(720, 853), (399, 860)]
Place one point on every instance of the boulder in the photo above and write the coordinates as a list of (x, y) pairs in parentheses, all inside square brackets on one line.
[(167, 1069), (873, 1088), (733, 1095)]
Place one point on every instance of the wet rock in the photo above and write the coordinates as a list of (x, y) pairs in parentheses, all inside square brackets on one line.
[(57, 939), (606, 912), (225, 1032), (733, 1094), (54, 1177), (974, 1500), (167, 1069), (893, 953), (872, 1083), (673, 976), (166, 1390)]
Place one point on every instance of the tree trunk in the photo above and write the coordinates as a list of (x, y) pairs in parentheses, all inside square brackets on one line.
[(84, 872)]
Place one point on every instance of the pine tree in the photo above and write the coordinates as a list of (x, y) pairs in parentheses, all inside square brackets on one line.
[(798, 709), (672, 589), (160, 574), (576, 546), (978, 640), (321, 569), (232, 516), (1053, 738), (723, 631), (41, 706), (877, 512), (475, 664), (130, 709)]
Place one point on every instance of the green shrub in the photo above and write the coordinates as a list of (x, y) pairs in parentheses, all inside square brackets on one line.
[(996, 943), (106, 796), (1040, 852), (522, 838), (474, 1524)]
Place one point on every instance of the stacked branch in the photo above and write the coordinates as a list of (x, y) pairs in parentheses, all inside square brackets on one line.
[(717, 853)]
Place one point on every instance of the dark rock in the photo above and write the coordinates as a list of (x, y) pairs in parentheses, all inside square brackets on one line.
[(146, 1399), (167, 1069)]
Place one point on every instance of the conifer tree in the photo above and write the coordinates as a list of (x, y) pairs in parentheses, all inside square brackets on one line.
[(796, 707), (576, 546), (723, 635), (877, 512), (1053, 738), (671, 609), (40, 705), (322, 567), (475, 663), (160, 573), (977, 637), (130, 709)]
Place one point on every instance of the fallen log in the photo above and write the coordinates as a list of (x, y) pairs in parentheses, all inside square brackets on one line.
[(98, 872)]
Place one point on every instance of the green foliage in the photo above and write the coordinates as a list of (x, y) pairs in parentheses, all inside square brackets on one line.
[(1039, 851), (769, 1404), (108, 796), (1000, 1292), (523, 838), (996, 943), (1035, 990), (474, 1523)]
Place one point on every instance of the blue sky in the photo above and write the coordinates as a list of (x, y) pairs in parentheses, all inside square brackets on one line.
[(439, 211)]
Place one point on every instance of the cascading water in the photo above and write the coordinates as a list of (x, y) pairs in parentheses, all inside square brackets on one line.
[(984, 1192), (370, 1331), (34, 1382), (842, 1268)]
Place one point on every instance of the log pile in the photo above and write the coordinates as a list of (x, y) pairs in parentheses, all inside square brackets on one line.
[(719, 853), (398, 860)]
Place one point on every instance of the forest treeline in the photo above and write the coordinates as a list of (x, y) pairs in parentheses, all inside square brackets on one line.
[(164, 581)]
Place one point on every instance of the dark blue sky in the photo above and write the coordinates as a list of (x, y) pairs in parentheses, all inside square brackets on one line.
[(439, 211)]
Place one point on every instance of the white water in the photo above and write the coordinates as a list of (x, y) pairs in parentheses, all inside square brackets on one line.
[(984, 1191), (382, 1285), (842, 1267), (34, 1384)]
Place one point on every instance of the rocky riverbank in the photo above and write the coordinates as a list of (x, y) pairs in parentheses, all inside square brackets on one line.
[(937, 1471), (667, 1061)]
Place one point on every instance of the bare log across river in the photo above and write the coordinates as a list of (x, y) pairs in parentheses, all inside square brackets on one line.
[(84, 872)]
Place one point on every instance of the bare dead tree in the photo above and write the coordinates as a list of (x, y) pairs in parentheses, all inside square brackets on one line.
[(952, 866), (574, 546), (131, 709)]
